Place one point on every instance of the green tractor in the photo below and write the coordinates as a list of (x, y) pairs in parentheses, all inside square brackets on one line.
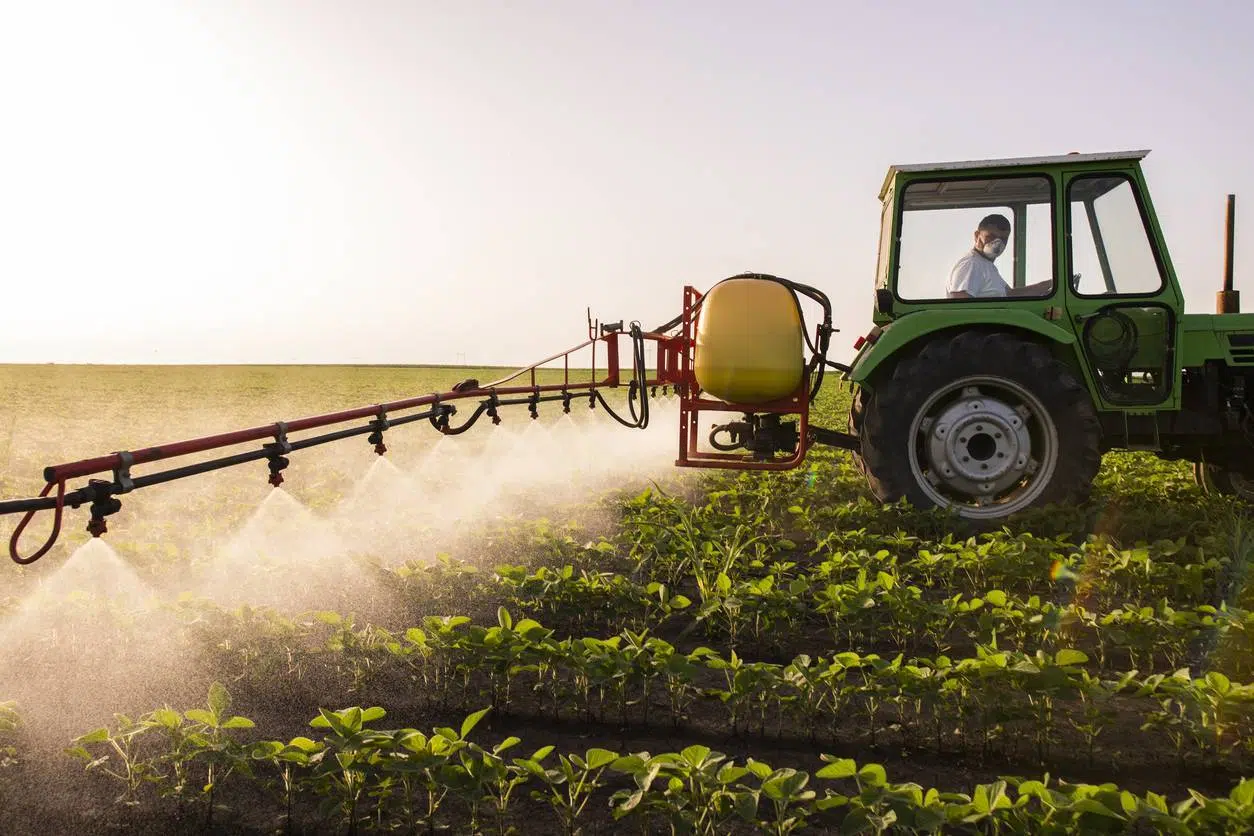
[(1004, 391)]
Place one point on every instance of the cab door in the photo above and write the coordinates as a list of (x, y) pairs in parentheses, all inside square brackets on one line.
[(1118, 297)]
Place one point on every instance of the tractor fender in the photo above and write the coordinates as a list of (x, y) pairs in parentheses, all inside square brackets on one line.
[(903, 335)]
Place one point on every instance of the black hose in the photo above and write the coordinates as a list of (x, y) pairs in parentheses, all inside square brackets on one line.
[(640, 376)]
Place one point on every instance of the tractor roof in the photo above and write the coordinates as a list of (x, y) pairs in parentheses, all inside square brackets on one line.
[(1012, 162)]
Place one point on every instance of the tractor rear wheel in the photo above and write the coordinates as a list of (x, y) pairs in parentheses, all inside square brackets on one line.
[(1214, 479), (985, 424)]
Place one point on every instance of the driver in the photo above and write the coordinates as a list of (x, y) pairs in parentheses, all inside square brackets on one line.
[(975, 275)]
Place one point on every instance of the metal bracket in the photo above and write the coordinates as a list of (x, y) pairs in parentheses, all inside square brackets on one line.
[(280, 437), (122, 475)]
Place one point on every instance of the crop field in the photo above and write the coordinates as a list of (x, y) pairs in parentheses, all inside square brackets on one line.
[(544, 627)]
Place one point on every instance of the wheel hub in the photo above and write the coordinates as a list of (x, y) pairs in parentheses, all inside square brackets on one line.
[(978, 445)]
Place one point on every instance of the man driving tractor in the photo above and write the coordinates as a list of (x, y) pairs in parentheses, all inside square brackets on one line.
[(975, 275)]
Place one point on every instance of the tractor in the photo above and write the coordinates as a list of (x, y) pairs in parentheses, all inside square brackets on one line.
[(989, 405)]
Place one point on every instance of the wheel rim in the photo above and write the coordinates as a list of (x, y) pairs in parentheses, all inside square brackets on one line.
[(983, 445)]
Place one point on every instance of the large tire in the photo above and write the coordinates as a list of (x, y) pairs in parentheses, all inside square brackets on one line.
[(1214, 480), (984, 424), (857, 408)]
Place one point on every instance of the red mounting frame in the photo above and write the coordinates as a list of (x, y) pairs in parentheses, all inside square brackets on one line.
[(691, 405)]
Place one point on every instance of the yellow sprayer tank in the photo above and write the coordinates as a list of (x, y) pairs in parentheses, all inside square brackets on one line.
[(749, 341)]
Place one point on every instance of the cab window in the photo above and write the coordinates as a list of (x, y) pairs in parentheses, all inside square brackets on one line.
[(1111, 250), (939, 223)]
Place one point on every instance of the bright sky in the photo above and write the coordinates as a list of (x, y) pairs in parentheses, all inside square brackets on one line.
[(422, 182)]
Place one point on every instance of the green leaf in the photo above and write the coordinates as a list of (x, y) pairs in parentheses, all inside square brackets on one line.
[(696, 754), (1220, 683), (238, 723), (631, 803), (200, 715), (760, 770), (1068, 656), (219, 699), (97, 736), (873, 775), (1092, 805), (472, 720), (843, 768), (1243, 793), (598, 758)]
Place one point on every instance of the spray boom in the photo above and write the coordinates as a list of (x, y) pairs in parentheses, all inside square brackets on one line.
[(675, 366)]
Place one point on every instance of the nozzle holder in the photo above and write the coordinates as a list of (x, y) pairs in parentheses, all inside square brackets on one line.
[(533, 404), (276, 450), (378, 425)]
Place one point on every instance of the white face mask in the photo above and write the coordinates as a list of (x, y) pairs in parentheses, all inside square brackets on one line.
[(994, 248)]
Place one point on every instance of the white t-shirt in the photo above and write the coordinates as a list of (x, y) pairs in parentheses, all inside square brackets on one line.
[(977, 276)]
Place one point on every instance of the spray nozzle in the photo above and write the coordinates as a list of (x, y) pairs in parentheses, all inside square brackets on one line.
[(277, 463), (533, 404), (566, 402), (101, 507), (276, 449)]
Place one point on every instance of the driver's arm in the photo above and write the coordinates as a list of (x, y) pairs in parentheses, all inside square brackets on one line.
[(1032, 289)]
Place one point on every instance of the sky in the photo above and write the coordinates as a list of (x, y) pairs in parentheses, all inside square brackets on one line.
[(422, 182)]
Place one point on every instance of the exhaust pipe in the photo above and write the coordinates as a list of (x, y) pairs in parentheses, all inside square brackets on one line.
[(1229, 300)]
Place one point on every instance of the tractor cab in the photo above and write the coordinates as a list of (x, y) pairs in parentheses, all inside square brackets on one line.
[(1084, 263)]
